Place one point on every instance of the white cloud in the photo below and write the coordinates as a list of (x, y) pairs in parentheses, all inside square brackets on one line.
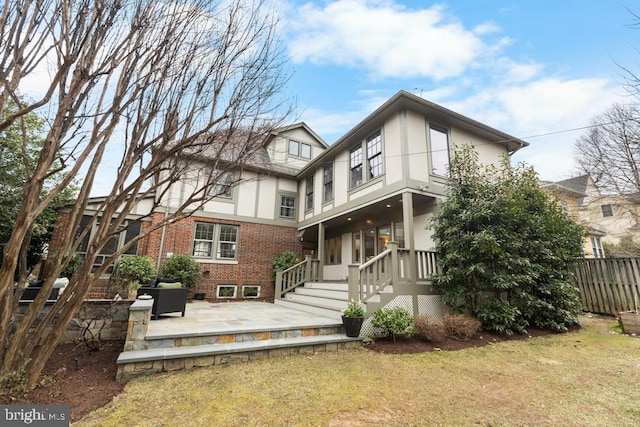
[(385, 38)]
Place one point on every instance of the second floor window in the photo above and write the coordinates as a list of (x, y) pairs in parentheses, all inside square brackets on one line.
[(327, 182), (224, 185), (360, 170), (607, 210), (287, 206), (439, 140), (309, 193)]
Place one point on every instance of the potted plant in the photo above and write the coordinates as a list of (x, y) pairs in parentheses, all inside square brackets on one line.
[(352, 318)]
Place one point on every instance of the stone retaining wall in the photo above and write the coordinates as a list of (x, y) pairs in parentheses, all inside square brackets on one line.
[(103, 320)]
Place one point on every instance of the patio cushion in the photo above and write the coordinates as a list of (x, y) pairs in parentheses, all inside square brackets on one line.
[(154, 282), (165, 285)]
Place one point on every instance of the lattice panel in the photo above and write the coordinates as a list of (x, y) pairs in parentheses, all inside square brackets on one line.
[(427, 304)]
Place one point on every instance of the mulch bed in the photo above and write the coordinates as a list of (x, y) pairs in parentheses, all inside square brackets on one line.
[(78, 376)]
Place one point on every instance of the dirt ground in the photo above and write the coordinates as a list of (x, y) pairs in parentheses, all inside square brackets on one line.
[(85, 379)]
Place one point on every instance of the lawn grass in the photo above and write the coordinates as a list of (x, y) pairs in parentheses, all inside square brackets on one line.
[(586, 378)]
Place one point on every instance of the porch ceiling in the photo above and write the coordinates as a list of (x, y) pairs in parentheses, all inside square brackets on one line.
[(371, 215)]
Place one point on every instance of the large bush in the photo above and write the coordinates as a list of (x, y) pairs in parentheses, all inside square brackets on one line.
[(138, 269), (505, 248), (183, 269)]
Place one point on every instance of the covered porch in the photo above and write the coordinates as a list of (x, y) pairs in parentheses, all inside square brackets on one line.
[(380, 253)]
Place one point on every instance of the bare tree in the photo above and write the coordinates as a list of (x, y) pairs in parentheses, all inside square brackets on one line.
[(610, 150), (160, 83)]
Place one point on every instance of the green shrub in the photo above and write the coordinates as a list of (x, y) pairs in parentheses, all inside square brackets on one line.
[(429, 328), (182, 268), (505, 248), (283, 261), (395, 321), (461, 326), (139, 269)]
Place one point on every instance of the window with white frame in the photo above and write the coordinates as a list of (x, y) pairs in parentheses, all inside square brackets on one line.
[(130, 229), (287, 206), (361, 171), (309, 193), (327, 182), (299, 149), (596, 247), (227, 291), (607, 210), (439, 141), (224, 185), (207, 236), (250, 291)]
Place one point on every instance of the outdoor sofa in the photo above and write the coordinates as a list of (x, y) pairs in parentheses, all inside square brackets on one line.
[(169, 296)]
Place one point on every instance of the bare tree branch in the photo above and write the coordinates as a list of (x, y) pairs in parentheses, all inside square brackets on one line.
[(162, 85)]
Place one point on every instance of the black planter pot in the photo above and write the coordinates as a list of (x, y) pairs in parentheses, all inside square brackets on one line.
[(352, 325), (199, 296)]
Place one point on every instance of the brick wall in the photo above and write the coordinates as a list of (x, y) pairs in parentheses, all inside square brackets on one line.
[(258, 245)]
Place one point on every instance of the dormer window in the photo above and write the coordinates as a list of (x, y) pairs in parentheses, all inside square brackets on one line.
[(299, 149)]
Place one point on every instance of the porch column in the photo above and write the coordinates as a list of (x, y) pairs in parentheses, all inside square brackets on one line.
[(320, 251), (409, 239)]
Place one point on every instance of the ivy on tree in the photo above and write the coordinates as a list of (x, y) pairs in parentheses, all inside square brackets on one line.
[(505, 248)]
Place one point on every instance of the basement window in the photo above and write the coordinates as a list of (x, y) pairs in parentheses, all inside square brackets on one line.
[(250, 291), (227, 291)]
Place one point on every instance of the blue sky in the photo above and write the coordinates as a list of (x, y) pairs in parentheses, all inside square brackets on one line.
[(525, 67)]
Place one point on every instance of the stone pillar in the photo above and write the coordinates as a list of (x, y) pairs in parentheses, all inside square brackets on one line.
[(139, 318)]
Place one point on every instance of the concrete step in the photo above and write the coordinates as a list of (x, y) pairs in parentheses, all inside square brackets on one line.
[(327, 312), (322, 293), (333, 304), (144, 362), (331, 286)]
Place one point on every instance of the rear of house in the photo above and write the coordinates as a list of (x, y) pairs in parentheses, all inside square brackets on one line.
[(340, 204)]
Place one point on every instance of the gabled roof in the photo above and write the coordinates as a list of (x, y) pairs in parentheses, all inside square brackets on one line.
[(406, 101), (299, 125), (578, 184)]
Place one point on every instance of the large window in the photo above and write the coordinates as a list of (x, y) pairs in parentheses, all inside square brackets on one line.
[(130, 230), (372, 147), (309, 193), (287, 206), (224, 238), (327, 182), (299, 149), (439, 141)]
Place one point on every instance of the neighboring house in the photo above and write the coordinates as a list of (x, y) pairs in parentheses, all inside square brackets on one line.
[(341, 204), (608, 218), (572, 195)]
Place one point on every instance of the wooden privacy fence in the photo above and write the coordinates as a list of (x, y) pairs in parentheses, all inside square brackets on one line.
[(608, 285)]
